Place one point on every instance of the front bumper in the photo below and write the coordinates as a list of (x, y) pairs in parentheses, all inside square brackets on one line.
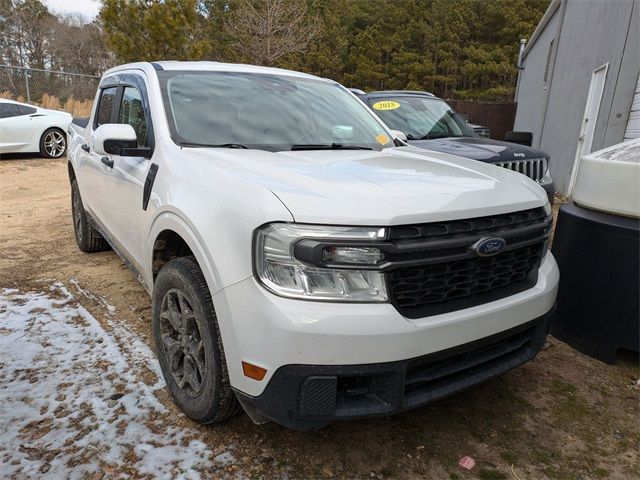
[(272, 332), (304, 397)]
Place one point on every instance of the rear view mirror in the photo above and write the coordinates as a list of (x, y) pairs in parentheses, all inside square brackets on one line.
[(521, 138), (399, 135), (342, 132)]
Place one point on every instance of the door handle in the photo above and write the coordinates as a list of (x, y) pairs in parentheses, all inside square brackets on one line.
[(107, 161), (85, 147)]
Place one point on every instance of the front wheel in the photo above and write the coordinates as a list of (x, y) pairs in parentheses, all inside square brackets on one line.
[(189, 345), (53, 143)]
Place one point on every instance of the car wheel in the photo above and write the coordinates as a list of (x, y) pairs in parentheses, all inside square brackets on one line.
[(88, 238), (53, 143), (189, 345)]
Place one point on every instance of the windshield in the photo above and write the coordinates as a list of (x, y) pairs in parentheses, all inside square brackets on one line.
[(271, 112), (420, 118)]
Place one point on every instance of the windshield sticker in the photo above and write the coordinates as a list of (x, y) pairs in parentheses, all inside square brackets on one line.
[(382, 139), (386, 105)]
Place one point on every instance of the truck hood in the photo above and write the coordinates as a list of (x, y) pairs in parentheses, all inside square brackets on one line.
[(479, 148), (394, 186)]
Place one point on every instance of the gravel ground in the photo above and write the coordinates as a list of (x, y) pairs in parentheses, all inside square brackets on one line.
[(81, 396)]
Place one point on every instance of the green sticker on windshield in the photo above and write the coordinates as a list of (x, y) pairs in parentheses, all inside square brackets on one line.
[(386, 105)]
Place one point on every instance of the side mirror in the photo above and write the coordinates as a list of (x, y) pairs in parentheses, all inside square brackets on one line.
[(521, 138), (118, 139), (399, 135)]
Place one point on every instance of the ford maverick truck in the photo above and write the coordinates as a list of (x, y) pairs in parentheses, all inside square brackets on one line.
[(304, 263)]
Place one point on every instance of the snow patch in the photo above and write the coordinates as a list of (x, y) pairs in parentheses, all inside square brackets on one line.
[(73, 402)]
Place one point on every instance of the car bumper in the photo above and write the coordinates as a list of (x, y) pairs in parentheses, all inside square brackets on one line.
[(274, 332), (304, 397)]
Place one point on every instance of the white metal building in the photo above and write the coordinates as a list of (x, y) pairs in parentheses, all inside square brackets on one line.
[(579, 90)]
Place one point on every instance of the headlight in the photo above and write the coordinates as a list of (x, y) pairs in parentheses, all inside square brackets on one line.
[(317, 262)]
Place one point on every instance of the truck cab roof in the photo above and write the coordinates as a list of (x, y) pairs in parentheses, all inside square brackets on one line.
[(208, 66)]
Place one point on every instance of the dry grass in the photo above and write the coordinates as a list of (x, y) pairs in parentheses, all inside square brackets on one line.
[(77, 108)]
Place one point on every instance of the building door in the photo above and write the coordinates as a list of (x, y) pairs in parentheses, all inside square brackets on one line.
[(587, 129)]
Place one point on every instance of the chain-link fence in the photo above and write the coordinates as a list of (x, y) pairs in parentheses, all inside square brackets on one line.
[(71, 92)]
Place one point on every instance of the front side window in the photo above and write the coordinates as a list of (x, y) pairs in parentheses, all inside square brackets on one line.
[(105, 106), (8, 110), (271, 112), (420, 118), (132, 112)]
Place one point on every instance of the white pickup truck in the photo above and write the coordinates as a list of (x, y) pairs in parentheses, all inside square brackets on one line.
[(303, 262)]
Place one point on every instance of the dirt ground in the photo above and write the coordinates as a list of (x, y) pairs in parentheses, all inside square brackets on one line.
[(561, 416)]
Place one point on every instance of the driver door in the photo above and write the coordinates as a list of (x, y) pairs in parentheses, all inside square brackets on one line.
[(123, 184)]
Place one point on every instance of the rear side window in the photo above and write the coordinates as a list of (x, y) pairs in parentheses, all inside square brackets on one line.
[(132, 112), (8, 110), (105, 106), (24, 110)]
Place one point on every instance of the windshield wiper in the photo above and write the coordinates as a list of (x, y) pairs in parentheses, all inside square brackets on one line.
[(328, 146), (209, 145)]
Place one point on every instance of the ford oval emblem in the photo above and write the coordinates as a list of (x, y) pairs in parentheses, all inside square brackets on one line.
[(488, 246)]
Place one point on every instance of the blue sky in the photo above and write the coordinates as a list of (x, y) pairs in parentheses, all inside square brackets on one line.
[(88, 9)]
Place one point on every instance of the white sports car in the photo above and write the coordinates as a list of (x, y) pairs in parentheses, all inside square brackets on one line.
[(25, 128)]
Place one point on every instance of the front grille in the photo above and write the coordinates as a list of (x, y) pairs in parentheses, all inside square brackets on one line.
[(418, 287), (482, 131), (506, 224), (534, 168), (434, 272)]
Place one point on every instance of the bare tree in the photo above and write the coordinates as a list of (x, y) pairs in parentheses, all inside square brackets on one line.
[(266, 30), (79, 47), (25, 28), (31, 36)]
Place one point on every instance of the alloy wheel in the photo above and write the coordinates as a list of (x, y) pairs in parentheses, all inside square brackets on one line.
[(54, 144), (182, 342)]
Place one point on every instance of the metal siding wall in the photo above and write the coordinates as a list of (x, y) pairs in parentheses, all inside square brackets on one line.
[(614, 120), (532, 93), (633, 126), (593, 33)]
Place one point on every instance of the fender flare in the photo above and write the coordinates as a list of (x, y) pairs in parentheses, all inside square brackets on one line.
[(168, 220)]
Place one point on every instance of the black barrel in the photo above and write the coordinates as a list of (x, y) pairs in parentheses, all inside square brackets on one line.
[(598, 255)]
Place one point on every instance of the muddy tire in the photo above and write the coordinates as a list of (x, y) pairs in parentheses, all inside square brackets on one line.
[(188, 343), (53, 143), (87, 237)]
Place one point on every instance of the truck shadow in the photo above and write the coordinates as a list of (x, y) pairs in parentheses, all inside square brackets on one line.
[(435, 435), (23, 156), (530, 418)]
